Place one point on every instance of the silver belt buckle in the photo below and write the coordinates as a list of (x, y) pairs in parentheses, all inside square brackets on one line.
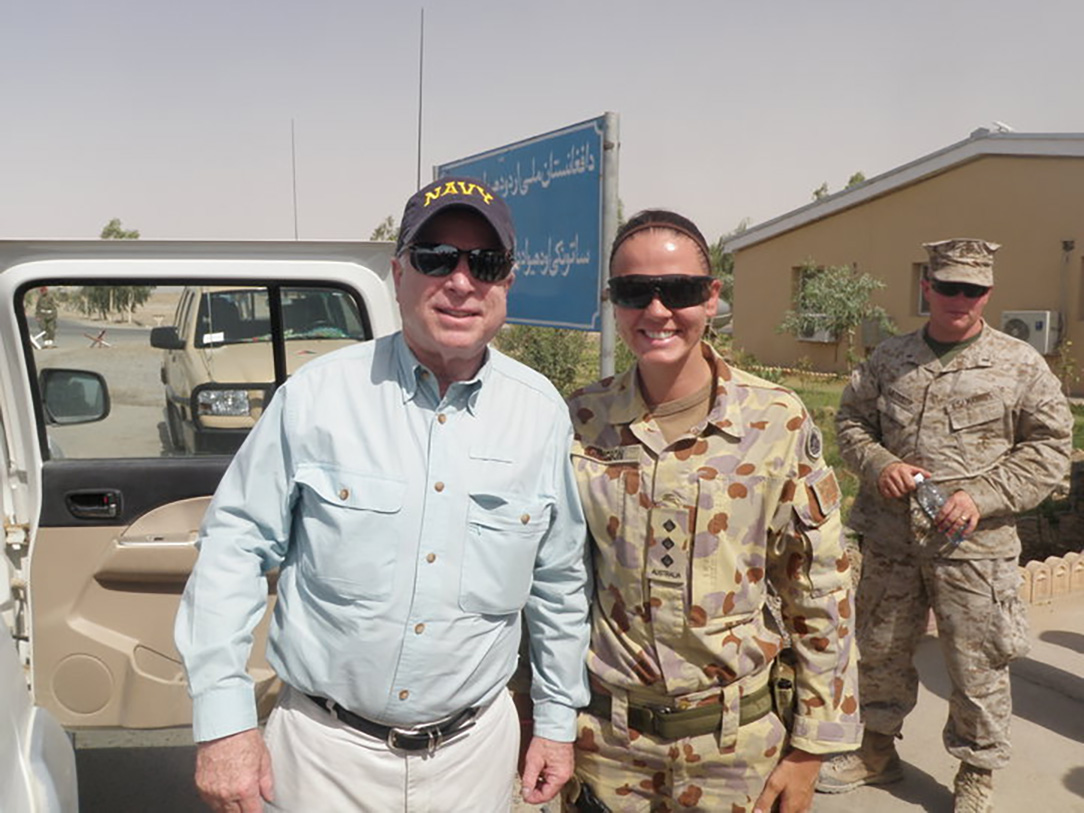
[(432, 734)]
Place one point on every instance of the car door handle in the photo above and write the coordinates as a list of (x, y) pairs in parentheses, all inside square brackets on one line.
[(94, 504)]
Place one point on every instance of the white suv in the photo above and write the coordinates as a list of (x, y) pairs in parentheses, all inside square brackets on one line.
[(218, 366)]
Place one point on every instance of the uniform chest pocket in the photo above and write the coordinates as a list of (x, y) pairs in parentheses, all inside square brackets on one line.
[(976, 415), (503, 534), (896, 412), (979, 431), (728, 553), (612, 495), (348, 529)]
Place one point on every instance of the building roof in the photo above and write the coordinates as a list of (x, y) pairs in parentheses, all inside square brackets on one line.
[(981, 142)]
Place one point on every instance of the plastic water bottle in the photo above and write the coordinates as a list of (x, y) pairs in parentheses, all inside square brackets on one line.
[(931, 497)]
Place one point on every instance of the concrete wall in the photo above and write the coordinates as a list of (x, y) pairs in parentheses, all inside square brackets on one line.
[(1028, 204)]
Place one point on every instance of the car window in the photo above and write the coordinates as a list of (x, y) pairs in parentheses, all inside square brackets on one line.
[(180, 369)]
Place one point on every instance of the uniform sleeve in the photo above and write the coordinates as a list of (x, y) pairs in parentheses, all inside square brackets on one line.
[(1039, 458), (556, 611), (858, 425), (810, 572), (243, 536)]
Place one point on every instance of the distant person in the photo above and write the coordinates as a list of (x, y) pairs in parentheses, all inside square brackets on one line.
[(706, 493), (45, 312), (980, 414), (416, 495)]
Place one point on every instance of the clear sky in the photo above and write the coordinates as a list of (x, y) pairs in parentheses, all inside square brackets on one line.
[(175, 116)]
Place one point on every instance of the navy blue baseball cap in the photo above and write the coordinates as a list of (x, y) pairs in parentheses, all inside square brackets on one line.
[(448, 193)]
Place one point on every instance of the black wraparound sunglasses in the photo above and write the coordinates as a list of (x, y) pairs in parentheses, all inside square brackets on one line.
[(675, 291), (968, 289), (440, 260)]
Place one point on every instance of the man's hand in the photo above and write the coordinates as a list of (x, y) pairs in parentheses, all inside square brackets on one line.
[(791, 783), (233, 774), (546, 769), (898, 479), (959, 515)]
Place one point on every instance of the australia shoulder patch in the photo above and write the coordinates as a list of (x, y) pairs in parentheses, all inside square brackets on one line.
[(814, 446)]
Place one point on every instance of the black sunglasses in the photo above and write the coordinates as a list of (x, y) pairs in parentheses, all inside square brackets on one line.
[(675, 291), (952, 288), (440, 260)]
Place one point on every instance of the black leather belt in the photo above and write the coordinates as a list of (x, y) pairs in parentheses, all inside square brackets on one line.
[(668, 723), (423, 738)]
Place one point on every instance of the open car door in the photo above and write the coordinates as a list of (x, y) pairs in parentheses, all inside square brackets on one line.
[(106, 495)]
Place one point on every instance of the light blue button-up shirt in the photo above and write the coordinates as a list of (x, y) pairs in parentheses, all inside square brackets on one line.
[(410, 530)]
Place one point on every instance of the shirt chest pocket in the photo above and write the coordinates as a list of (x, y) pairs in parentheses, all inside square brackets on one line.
[(348, 530), (728, 553), (503, 534)]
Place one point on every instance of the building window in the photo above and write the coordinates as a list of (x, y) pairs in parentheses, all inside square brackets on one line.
[(920, 271), (813, 324)]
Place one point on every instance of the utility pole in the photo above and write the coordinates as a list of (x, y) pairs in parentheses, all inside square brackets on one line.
[(421, 65)]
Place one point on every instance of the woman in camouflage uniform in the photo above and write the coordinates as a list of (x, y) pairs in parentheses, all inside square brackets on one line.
[(706, 492)]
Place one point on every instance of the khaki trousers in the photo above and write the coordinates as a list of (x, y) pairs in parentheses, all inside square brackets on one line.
[(321, 764), (981, 626)]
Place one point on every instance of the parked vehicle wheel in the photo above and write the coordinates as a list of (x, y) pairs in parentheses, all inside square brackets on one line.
[(173, 426)]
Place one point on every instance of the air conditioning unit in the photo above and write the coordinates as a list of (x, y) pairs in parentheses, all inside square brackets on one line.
[(812, 333), (1040, 329)]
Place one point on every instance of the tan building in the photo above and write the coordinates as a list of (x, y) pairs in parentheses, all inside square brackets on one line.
[(1024, 191)]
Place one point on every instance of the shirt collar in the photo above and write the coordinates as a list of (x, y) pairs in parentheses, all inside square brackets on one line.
[(414, 376)]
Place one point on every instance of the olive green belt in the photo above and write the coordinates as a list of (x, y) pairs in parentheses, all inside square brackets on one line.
[(668, 723)]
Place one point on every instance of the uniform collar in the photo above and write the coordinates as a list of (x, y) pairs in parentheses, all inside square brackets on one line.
[(628, 406), (977, 354)]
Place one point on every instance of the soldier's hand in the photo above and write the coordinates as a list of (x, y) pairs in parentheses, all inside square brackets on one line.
[(898, 479), (233, 774), (790, 784), (959, 515)]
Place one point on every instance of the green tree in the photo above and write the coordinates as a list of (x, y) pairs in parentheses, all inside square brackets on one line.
[(854, 180), (722, 261), (113, 230), (559, 354), (822, 192), (386, 230), (835, 299), (103, 300)]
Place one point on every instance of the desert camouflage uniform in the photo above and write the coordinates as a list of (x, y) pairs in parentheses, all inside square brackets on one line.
[(993, 422), (687, 539), (45, 312)]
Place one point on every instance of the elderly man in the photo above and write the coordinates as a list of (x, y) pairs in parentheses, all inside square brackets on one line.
[(416, 494), (980, 415)]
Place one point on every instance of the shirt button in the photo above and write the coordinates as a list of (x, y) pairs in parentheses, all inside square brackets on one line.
[(419, 628), (403, 695), (430, 558), (442, 418), (525, 518), (439, 487), (344, 493)]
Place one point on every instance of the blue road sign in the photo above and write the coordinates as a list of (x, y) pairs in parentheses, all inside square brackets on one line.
[(553, 184)]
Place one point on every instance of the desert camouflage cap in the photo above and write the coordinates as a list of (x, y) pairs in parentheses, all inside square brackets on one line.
[(962, 259)]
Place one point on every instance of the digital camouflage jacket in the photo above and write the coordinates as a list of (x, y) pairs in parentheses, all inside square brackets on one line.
[(992, 422)]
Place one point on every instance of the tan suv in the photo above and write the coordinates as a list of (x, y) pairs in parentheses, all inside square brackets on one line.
[(219, 363)]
